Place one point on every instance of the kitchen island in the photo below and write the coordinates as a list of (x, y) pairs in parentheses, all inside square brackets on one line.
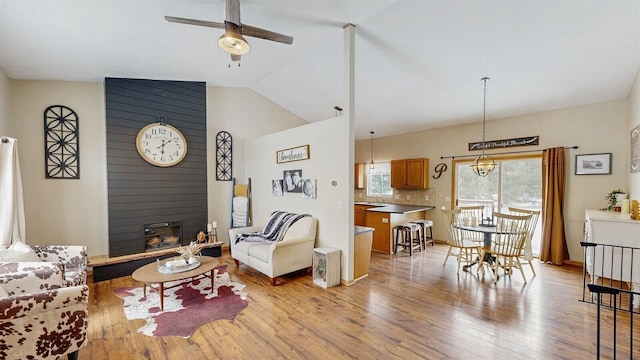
[(385, 218)]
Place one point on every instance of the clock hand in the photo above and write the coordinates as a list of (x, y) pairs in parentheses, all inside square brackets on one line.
[(164, 143)]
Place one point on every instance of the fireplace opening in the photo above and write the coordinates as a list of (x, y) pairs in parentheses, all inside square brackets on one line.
[(161, 236)]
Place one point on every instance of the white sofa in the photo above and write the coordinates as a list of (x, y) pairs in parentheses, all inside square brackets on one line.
[(294, 252)]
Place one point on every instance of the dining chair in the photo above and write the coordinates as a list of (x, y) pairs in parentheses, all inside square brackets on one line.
[(467, 250), (467, 214), (527, 252), (507, 245)]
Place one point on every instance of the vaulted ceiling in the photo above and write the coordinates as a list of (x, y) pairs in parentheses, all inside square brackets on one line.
[(418, 62)]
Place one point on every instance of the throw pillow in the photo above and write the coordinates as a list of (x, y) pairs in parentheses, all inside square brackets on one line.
[(18, 251)]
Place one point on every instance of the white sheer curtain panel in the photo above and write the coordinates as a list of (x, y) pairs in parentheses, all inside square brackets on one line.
[(12, 225)]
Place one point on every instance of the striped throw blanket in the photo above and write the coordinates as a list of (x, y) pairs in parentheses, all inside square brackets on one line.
[(274, 229)]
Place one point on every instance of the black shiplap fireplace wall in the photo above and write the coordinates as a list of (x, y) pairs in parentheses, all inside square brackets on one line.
[(138, 192)]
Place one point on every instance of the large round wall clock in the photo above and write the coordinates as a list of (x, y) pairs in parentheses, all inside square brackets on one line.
[(161, 145)]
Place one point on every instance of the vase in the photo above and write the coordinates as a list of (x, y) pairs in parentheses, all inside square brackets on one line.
[(620, 197)]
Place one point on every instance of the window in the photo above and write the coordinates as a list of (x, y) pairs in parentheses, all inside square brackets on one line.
[(516, 182), (379, 180)]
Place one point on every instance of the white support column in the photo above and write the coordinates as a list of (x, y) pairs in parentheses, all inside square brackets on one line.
[(349, 111)]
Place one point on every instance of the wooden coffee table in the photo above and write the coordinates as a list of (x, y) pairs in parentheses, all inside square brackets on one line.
[(149, 274)]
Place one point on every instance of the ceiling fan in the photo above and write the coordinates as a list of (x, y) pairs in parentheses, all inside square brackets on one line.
[(232, 41)]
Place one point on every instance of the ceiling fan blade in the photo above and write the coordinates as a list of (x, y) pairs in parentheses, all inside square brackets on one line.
[(194, 22), (233, 11), (266, 34)]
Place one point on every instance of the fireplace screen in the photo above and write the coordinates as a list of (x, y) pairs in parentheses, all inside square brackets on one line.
[(162, 235)]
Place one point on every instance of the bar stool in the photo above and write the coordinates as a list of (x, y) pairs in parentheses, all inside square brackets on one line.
[(424, 225), (410, 237)]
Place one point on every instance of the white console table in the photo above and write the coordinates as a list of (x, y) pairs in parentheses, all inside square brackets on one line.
[(613, 228)]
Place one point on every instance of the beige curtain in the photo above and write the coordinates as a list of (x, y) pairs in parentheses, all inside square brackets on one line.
[(554, 245), (12, 225)]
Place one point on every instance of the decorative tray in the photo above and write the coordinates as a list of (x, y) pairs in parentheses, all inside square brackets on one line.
[(177, 265)]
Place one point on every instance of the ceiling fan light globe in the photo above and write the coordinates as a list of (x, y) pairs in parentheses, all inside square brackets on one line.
[(233, 43)]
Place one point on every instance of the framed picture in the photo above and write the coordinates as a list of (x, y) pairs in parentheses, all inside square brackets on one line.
[(292, 181), (309, 188), (635, 149), (593, 164), (276, 185)]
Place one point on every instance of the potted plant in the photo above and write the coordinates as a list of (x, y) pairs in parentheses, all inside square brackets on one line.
[(612, 198), (321, 268)]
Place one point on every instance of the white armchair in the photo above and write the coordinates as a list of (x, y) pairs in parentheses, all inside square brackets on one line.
[(294, 252)]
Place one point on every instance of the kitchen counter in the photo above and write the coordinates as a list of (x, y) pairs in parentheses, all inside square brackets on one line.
[(400, 209), (385, 218), (359, 230)]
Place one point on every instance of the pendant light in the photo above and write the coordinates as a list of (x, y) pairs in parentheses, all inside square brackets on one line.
[(484, 164), (371, 166)]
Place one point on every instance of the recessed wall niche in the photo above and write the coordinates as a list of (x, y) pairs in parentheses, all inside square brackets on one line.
[(140, 193)]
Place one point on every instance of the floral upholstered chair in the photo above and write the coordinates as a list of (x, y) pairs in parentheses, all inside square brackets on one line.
[(41, 317)]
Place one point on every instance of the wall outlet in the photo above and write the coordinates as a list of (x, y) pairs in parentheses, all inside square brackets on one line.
[(397, 197), (426, 198), (447, 198), (360, 195), (439, 194), (385, 220), (408, 197)]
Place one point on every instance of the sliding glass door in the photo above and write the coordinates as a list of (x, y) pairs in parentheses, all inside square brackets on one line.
[(516, 182)]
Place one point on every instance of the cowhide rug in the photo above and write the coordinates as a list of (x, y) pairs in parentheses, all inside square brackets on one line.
[(186, 307)]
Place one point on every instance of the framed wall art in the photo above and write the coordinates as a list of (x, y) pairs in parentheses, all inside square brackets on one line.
[(309, 187), (635, 150), (276, 187), (292, 181), (292, 154), (593, 164)]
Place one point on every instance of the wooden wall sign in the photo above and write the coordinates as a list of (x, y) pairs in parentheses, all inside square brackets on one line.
[(293, 154), (506, 143)]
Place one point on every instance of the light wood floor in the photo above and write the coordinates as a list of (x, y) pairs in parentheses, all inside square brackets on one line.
[(409, 308)]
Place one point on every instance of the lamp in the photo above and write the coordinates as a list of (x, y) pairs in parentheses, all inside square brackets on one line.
[(232, 40), (484, 164), (371, 166)]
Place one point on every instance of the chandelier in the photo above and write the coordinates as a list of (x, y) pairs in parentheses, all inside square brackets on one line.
[(483, 164)]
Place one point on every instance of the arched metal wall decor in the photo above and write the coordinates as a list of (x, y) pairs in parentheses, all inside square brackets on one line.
[(224, 163), (61, 143)]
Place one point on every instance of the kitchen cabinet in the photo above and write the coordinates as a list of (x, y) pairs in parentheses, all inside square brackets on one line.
[(360, 214), (410, 173), (359, 176)]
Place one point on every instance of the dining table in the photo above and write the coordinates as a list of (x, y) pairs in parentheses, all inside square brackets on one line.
[(488, 231)]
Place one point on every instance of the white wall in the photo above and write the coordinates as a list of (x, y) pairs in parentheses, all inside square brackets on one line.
[(76, 211), (329, 161), (595, 128), (5, 124), (244, 114), (62, 211)]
